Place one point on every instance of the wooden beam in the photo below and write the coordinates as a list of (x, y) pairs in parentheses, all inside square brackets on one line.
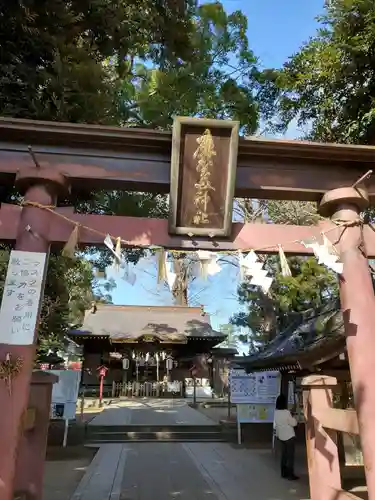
[(137, 231), (96, 157), (336, 494), (339, 420)]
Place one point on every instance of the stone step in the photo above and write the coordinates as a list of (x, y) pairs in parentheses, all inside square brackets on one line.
[(157, 437), (156, 433), (92, 428), (172, 440)]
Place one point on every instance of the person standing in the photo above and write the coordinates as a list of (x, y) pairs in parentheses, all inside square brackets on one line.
[(285, 424)]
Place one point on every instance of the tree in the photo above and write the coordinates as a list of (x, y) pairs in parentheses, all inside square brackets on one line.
[(310, 286), (328, 87), (53, 53), (329, 84), (135, 63), (53, 67), (215, 81), (122, 63)]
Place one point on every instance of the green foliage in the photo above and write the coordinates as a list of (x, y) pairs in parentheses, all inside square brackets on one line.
[(329, 84), (53, 53), (122, 63), (135, 63), (215, 81), (328, 88), (310, 286)]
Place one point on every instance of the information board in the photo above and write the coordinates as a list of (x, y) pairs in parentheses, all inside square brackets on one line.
[(255, 413), (65, 394), (21, 297), (254, 388)]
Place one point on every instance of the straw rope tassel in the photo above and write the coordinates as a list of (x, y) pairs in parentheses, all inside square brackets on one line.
[(329, 246), (285, 269), (204, 268), (162, 266), (117, 260), (71, 245), (241, 266), (204, 260)]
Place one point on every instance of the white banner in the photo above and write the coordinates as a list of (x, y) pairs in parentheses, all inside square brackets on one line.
[(21, 297)]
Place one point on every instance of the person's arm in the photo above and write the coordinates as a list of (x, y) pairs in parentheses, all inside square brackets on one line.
[(292, 421)]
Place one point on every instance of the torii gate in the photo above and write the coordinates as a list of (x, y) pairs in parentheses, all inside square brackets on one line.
[(80, 157)]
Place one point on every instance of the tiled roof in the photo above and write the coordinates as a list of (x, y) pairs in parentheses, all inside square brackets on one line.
[(305, 340), (131, 322)]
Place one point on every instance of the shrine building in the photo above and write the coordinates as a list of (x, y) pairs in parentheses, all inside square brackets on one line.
[(151, 344), (314, 342)]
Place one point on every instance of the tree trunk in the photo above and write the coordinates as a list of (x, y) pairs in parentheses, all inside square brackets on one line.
[(180, 287), (270, 318)]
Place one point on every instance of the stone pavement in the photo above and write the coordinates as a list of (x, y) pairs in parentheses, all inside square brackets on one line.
[(182, 471), (148, 411), (185, 471)]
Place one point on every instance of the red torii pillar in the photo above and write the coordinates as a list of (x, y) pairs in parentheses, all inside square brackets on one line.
[(358, 306), (39, 185)]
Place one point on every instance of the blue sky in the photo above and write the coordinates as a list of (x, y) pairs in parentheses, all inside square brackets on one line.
[(276, 30), (278, 27)]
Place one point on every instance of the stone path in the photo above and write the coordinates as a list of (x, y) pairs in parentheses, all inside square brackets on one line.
[(161, 472), (185, 471), (151, 412), (182, 471), (103, 478)]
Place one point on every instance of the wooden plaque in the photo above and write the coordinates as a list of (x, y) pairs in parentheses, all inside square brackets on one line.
[(203, 175)]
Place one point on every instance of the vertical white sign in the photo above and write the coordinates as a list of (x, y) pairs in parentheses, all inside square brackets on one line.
[(65, 393), (21, 296)]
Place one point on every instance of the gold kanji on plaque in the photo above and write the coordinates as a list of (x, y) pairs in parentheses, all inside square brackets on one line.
[(204, 154)]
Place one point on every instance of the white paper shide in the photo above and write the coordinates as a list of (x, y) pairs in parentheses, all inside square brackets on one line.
[(21, 296)]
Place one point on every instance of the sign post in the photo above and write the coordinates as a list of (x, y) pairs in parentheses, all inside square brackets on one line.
[(64, 398), (254, 395), (239, 434)]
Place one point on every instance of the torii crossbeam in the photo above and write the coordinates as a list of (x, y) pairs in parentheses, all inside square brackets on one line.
[(143, 232), (92, 157), (84, 158)]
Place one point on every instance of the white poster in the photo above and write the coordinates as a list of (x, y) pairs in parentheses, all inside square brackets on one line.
[(255, 413), (255, 388), (65, 394), (202, 388), (21, 297)]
